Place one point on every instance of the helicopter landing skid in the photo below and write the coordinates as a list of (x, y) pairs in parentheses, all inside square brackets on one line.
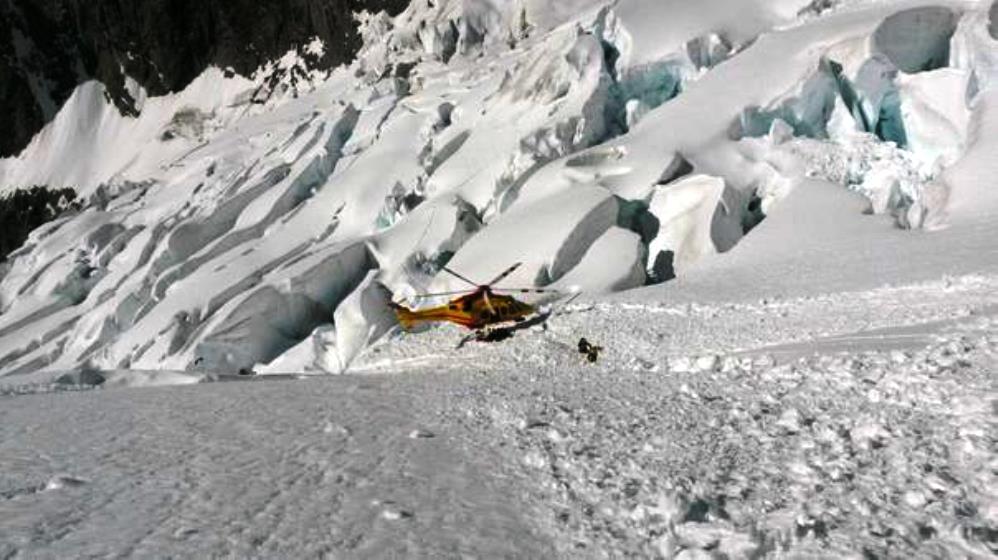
[(499, 333)]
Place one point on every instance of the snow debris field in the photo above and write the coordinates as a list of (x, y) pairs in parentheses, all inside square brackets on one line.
[(776, 219)]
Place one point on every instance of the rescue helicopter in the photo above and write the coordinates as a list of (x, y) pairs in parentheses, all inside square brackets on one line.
[(489, 311)]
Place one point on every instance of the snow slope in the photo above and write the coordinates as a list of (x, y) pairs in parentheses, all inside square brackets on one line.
[(692, 435)]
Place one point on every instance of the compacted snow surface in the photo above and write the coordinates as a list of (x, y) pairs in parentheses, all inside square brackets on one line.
[(779, 218)]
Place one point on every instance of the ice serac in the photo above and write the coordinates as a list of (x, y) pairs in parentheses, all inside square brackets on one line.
[(267, 321), (699, 216), (658, 30), (880, 102), (362, 319), (780, 253), (917, 39), (535, 110), (974, 47), (935, 114), (409, 253), (614, 262), (970, 183), (807, 110), (550, 237), (316, 354)]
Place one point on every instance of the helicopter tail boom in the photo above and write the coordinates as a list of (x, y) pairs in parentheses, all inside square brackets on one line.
[(410, 318), (407, 317)]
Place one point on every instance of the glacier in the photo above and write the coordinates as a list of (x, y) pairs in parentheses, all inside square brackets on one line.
[(221, 231)]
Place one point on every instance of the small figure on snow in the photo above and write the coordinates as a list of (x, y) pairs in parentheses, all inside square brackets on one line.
[(590, 350)]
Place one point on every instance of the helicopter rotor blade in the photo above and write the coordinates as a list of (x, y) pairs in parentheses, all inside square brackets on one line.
[(442, 294), (458, 276), (528, 290), (506, 273)]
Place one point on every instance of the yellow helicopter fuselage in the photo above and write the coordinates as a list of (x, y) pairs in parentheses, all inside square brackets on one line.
[(473, 311)]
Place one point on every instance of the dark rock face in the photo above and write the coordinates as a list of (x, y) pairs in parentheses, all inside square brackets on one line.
[(23, 210), (48, 47)]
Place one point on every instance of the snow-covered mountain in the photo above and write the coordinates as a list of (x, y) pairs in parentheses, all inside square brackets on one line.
[(267, 218), (52, 46)]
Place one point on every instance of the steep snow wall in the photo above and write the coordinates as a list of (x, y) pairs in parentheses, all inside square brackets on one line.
[(970, 182)]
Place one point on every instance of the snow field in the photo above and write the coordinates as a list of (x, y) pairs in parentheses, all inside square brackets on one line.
[(524, 448), (814, 179), (879, 453)]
